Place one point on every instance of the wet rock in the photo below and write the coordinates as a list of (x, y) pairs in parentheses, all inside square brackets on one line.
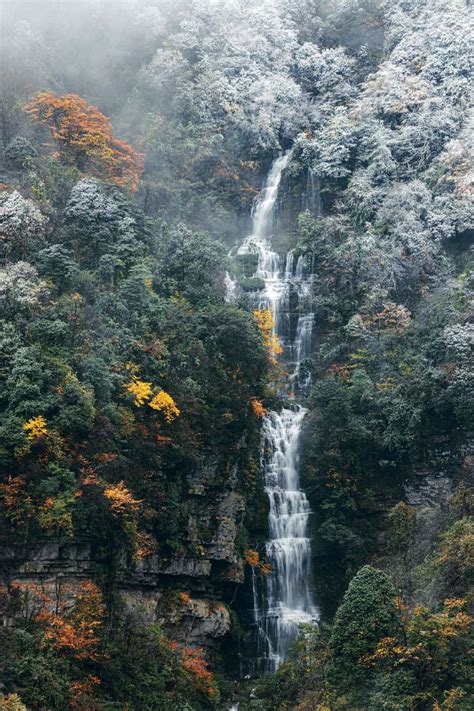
[(191, 621)]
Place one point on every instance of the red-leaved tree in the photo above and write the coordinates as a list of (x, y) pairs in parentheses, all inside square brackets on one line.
[(84, 138)]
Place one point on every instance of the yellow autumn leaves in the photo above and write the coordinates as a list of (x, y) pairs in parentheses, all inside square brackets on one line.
[(140, 390), (143, 392), (266, 324), (35, 427), (120, 499), (165, 404), (161, 401)]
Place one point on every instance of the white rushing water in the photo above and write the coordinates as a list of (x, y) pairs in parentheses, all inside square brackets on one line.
[(287, 600)]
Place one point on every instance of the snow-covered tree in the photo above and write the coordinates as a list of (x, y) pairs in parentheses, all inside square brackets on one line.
[(22, 225), (21, 286), (89, 203)]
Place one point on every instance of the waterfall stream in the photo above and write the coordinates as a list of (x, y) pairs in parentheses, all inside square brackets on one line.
[(287, 599)]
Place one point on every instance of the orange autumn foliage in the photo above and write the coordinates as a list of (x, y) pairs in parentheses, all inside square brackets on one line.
[(15, 499), (252, 558), (146, 545), (11, 702), (428, 637), (394, 318), (82, 693), (120, 499), (75, 631), (342, 371), (106, 457), (85, 138), (193, 661), (257, 407)]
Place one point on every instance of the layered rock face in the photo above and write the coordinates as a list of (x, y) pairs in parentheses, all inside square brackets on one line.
[(183, 593)]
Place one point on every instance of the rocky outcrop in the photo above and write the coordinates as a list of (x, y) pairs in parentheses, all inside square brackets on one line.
[(184, 593), (431, 489), (190, 620)]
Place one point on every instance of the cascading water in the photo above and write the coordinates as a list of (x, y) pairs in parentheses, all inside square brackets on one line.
[(287, 601), (312, 195)]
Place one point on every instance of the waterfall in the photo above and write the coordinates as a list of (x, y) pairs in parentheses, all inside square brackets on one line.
[(230, 288), (287, 599), (313, 193)]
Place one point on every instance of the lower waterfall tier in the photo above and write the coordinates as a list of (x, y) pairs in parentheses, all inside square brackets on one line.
[(288, 601)]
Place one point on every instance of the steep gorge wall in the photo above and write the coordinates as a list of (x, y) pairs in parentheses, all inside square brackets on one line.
[(183, 593)]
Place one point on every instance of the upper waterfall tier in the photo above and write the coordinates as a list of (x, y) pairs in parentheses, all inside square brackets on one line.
[(263, 212), (287, 282)]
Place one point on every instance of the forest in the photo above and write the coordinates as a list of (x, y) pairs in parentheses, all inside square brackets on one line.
[(236, 355)]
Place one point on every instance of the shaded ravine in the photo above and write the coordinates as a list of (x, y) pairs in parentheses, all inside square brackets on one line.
[(287, 598)]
